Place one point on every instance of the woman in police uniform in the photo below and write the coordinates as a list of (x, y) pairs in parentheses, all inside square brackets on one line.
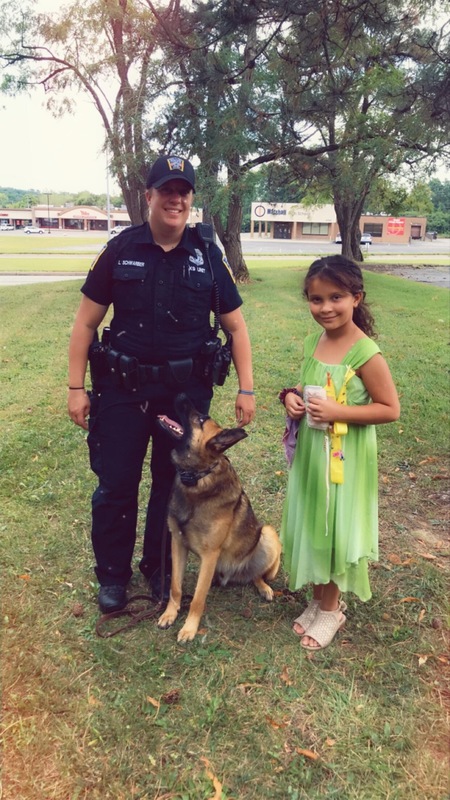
[(158, 280)]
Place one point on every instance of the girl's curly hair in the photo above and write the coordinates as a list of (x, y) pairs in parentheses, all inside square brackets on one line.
[(348, 276)]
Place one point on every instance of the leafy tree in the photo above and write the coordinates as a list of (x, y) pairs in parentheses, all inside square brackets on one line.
[(439, 218), (89, 48), (385, 198), (439, 221), (355, 77), (89, 199), (440, 194), (277, 183), (222, 103), (419, 201), (341, 93)]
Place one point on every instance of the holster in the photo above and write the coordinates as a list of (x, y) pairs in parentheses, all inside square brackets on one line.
[(215, 360), (98, 364)]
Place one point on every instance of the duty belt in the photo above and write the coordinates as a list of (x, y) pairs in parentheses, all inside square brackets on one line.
[(127, 372)]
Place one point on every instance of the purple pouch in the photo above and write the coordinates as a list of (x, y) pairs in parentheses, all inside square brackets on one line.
[(290, 438)]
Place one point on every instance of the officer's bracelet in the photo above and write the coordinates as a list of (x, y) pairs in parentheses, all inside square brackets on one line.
[(245, 391), (76, 388)]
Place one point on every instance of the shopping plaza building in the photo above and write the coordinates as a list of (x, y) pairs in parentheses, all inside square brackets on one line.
[(272, 220), (73, 218), (294, 221)]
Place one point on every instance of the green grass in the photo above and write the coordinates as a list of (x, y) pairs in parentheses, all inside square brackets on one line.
[(139, 716), (49, 243), (73, 252)]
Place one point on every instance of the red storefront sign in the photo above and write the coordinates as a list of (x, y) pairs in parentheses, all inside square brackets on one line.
[(396, 226)]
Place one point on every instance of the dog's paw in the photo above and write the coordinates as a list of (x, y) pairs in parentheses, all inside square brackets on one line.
[(167, 619), (264, 589), (187, 633)]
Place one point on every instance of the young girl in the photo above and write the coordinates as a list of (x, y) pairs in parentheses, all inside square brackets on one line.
[(330, 519)]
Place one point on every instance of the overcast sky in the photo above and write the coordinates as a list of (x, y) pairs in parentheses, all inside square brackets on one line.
[(40, 152), (46, 154)]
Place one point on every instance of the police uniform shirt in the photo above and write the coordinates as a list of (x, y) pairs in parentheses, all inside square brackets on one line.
[(162, 300)]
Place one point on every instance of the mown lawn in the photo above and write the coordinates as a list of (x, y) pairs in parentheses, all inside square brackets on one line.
[(242, 713)]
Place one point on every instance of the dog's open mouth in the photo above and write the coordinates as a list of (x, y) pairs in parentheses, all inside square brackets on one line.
[(174, 428)]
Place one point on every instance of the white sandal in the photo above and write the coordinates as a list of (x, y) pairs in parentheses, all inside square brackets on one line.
[(324, 628), (309, 614), (307, 617)]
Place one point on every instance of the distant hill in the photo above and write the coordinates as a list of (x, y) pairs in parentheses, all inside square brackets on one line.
[(24, 198)]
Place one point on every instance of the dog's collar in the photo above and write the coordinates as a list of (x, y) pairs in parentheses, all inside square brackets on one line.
[(189, 477)]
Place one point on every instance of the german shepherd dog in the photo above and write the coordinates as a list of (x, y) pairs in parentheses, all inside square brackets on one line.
[(210, 514)]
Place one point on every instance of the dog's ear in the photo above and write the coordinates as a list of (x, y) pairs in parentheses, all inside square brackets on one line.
[(227, 438)]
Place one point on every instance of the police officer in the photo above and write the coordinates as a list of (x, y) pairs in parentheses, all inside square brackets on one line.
[(157, 278)]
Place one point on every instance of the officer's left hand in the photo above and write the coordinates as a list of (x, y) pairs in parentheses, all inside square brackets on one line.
[(245, 408), (78, 405)]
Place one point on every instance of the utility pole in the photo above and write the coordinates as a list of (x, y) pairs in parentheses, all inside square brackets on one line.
[(108, 198), (48, 211)]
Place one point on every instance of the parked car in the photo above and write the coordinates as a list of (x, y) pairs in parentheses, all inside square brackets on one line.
[(6, 226), (32, 229), (119, 229), (366, 238)]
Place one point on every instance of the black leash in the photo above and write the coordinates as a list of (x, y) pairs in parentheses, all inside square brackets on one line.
[(136, 614)]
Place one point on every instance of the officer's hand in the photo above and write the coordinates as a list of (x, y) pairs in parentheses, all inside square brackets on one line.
[(245, 408), (78, 406)]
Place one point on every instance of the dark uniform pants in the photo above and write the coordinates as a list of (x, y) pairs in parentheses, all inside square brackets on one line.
[(120, 428)]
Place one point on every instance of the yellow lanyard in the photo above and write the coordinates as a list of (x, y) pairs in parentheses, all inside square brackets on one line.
[(337, 429)]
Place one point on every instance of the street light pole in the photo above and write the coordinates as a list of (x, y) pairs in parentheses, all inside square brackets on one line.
[(108, 198), (48, 211)]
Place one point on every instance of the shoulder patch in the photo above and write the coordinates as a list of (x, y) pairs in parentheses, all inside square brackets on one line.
[(98, 256), (227, 266)]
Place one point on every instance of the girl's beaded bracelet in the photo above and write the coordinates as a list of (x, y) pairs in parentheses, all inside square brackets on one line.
[(284, 392)]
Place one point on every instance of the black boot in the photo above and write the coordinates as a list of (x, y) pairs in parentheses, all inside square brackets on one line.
[(112, 598)]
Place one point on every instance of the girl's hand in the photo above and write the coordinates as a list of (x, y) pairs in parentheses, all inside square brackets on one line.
[(324, 409), (294, 405)]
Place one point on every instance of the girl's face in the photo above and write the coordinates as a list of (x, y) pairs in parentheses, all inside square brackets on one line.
[(331, 306)]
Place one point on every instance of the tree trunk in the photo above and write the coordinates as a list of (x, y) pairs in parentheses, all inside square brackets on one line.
[(348, 216), (134, 199), (231, 238)]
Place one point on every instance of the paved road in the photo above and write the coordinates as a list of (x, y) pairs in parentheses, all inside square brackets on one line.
[(22, 280), (267, 247), (261, 246)]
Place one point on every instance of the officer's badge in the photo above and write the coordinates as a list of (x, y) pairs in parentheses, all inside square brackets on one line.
[(198, 258), (175, 162)]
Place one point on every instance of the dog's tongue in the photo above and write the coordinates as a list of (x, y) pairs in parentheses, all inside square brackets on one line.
[(173, 427)]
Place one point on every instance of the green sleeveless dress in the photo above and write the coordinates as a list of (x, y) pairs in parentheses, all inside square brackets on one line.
[(330, 531)]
